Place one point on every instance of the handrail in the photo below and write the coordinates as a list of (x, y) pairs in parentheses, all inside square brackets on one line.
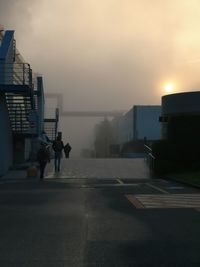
[(150, 158), (149, 150), (15, 74)]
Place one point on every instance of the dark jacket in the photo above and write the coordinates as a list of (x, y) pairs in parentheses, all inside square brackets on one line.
[(58, 146), (67, 149), (43, 155)]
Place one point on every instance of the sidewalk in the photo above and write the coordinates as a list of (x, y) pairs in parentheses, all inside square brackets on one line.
[(14, 174), (20, 173), (90, 168)]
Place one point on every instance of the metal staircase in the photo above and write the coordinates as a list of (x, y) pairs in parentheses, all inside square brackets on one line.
[(16, 84), (51, 126), (18, 109)]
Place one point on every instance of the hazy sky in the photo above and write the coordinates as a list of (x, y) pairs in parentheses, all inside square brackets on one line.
[(108, 54)]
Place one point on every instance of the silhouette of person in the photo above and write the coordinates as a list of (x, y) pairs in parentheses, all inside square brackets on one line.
[(67, 149), (57, 147), (43, 156)]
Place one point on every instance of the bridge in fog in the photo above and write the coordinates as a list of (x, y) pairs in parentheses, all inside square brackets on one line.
[(59, 100)]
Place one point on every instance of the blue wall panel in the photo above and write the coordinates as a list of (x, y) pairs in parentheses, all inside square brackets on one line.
[(6, 142)]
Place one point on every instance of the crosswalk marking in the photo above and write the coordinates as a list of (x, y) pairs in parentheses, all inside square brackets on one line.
[(135, 201), (169, 201)]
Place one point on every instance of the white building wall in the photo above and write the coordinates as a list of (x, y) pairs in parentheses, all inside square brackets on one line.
[(6, 142)]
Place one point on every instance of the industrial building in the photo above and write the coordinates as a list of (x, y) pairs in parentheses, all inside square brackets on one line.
[(140, 122), (179, 146), (181, 116), (22, 106), (125, 135)]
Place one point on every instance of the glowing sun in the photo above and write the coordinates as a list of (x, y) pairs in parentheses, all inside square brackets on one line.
[(169, 88)]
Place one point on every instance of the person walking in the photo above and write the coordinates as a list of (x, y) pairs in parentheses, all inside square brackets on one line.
[(67, 149), (43, 156), (58, 146)]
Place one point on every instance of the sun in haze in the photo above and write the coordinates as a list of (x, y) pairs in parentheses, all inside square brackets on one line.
[(169, 88)]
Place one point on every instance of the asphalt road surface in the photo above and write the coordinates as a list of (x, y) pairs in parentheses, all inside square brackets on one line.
[(99, 213)]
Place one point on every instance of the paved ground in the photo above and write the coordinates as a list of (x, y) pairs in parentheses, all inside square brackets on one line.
[(92, 168), (109, 217), (101, 168)]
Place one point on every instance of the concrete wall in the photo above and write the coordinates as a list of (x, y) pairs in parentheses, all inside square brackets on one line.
[(6, 142)]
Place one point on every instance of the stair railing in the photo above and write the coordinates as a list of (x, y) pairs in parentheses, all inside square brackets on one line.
[(150, 159), (16, 74)]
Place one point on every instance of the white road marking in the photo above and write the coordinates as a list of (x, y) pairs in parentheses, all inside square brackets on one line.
[(157, 188), (170, 200), (119, 181)]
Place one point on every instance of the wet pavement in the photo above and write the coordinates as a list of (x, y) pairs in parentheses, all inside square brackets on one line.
[(116, 216), (101, 168)]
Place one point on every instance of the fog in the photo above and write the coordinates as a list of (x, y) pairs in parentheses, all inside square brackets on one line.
[(108, 54)]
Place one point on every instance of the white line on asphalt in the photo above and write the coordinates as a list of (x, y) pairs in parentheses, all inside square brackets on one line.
[(157, 188), (108, 185), (119, 181)]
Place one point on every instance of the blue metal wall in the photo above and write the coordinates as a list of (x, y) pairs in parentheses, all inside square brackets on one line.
[(140, 122), (146, 122), (6, 141)]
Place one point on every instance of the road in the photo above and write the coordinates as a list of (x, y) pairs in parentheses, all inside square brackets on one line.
[(115, 215)]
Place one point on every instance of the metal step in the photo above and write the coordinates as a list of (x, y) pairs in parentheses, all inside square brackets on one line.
[(20, 100)]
